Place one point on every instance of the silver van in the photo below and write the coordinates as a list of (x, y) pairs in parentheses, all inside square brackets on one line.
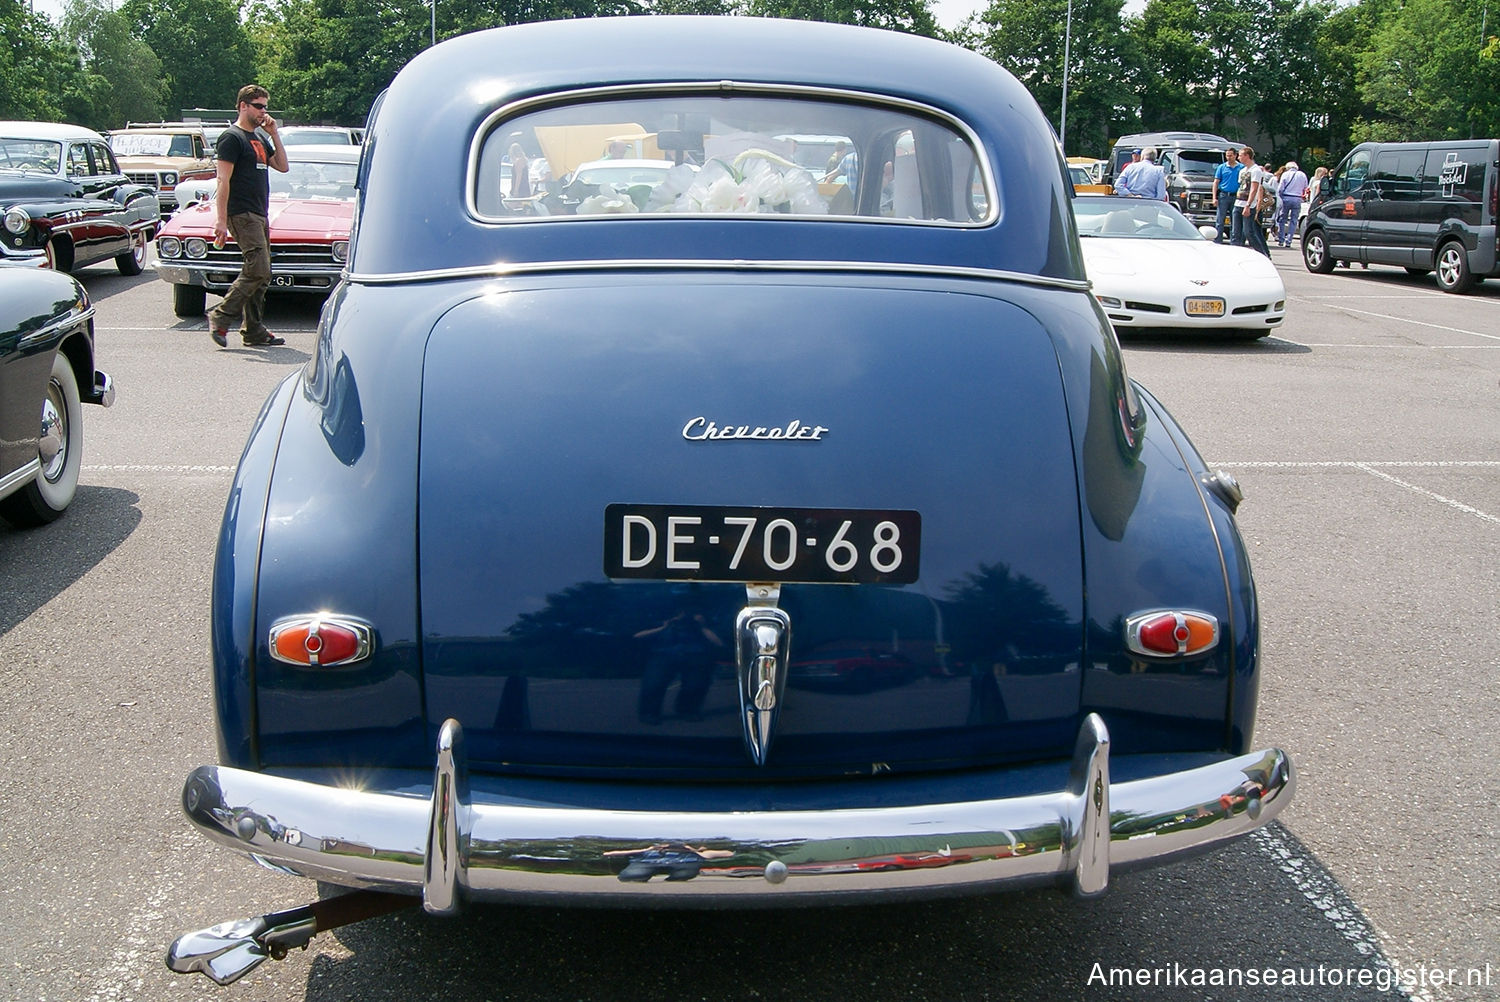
[(1189, 158), (1425, 207)]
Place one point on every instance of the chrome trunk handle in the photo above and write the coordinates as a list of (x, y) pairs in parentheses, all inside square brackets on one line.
[(763, 636)]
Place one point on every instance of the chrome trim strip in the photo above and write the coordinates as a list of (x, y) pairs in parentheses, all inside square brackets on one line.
[(552, 852), (52, 327), (719, 88), (20, 477), (502, 269)]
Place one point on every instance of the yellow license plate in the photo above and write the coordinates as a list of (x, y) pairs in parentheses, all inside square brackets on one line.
[(1203, 307)]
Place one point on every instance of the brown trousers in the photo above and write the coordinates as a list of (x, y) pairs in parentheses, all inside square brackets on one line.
[(246, 298)]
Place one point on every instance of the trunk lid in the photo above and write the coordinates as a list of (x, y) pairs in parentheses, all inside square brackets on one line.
[(544, 407)]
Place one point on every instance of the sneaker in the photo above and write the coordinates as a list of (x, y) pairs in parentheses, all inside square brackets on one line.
[(220, 335), (265, 339)]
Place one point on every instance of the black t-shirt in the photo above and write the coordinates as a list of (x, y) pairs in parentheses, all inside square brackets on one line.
[(249, 184)]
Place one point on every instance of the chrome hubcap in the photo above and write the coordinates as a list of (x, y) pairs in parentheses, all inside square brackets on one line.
[(53, 446)]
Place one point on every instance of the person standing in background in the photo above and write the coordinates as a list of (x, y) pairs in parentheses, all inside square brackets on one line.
[(1143, 179), (242, 206), (1247, 229), (1294, 185), (1226, 184)]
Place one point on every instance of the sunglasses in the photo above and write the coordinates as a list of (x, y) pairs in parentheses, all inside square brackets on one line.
[(257, 104)]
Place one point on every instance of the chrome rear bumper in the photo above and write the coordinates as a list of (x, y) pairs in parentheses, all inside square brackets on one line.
[(448, 848)]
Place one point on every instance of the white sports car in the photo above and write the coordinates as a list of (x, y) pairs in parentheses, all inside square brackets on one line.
[(1152, 268)]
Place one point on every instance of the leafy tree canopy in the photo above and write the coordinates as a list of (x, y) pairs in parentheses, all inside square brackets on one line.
[(204, 49), (40, 74)]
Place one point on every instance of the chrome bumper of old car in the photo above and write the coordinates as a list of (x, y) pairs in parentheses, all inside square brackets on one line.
[(220, 275), (448, 847)]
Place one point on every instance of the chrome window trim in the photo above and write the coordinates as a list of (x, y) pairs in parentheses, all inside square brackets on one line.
[(47, 330), (507, 270), (721, 88)]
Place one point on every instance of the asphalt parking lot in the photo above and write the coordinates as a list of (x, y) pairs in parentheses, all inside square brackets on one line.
[(1366, 435)]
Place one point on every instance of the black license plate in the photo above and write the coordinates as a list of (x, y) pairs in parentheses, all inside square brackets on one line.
[(711, 543), (282, 281)]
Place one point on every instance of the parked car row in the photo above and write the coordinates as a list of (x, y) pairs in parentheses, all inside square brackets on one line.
[(67, 203)]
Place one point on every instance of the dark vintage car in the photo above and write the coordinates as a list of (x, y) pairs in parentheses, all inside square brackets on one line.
[(513, 574), (311, 208), (65, 203), (46, 374)]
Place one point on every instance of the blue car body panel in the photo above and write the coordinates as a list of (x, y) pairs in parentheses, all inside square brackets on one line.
[(488, 390)]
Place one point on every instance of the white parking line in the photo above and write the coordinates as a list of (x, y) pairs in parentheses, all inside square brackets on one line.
[(149, 468), (1372, 468), (1419, 323), (1333, 903)]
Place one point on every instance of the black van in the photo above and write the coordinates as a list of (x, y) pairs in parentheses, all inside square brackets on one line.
[(1189, 158), (1422, 206)]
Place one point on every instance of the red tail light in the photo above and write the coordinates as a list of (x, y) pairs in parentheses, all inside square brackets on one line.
[(321, 640), (1171, 634)]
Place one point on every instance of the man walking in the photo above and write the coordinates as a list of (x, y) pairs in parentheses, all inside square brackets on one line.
[(1143, 179), (1247, 231), (1293, 190), (242, 203), (1226, 184)]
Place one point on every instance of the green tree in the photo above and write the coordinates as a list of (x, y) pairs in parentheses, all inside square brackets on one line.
[(1289, 73), (1191, 60), (40, 73), (204, 48), (1427, 74), (911, 16), (1026, 37), (122, 77)]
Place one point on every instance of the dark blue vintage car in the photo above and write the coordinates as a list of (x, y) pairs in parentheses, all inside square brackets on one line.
[(517, 576), (46, 374), (65, 203)]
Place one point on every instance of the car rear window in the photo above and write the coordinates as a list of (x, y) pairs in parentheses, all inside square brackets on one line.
[(746, 153)]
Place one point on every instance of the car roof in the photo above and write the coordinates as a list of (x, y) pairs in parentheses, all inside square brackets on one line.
[(46, 130), (430, 121), (1174, 139), (322, 153)]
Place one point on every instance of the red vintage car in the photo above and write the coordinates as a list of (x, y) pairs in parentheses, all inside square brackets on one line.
[(312, 208)]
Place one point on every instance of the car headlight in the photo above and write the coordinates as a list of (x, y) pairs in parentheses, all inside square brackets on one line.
[(17, 220), (341, 251), (169, 178), (1109, 302), (195, 247), (168, 247)]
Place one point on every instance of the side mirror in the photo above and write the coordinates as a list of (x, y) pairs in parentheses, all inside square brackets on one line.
[(1209, 233)]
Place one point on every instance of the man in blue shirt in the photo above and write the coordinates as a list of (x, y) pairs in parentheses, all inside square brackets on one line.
[(1143, 179), (1226, 186)]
